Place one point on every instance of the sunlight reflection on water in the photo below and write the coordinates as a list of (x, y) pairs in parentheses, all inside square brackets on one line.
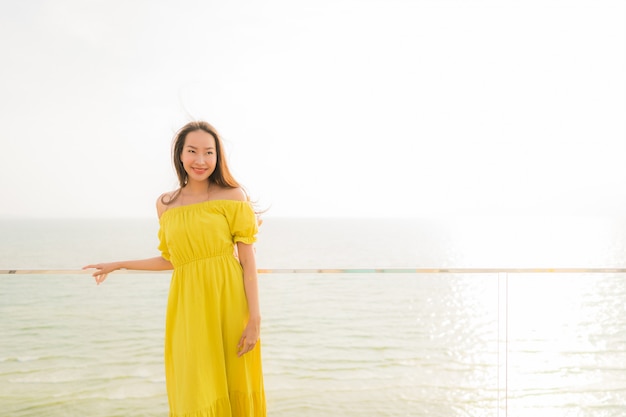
[(567, 341)]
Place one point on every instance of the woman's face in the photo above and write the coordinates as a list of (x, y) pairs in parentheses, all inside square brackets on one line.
[(199, 155)]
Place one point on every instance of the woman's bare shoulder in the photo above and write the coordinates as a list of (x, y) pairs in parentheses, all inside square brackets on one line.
[(163, 202), (236, 194)]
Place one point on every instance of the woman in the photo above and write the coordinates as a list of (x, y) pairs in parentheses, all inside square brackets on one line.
[(212, 351)]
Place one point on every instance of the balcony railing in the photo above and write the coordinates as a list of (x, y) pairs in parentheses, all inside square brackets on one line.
[(540, 270)]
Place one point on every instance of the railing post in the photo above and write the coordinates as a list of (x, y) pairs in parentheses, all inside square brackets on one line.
[(503, 342)]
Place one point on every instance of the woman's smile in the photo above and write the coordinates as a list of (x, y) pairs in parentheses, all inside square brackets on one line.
[(199, 171)]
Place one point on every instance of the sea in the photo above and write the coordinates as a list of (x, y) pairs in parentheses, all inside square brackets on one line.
[(484, 316)]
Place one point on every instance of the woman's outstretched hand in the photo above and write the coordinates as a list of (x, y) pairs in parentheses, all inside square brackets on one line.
[(249, 338), (102, 271)]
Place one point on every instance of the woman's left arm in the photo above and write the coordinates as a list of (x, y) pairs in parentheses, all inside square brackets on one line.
[(251, 333)]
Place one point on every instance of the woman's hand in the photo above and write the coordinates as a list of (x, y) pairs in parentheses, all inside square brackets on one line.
[(102, 271), (249, 338)]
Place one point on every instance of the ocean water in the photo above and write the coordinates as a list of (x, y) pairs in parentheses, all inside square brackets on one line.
[(340, 344)]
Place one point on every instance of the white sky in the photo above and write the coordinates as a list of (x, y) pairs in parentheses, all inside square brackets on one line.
[(329, 108)]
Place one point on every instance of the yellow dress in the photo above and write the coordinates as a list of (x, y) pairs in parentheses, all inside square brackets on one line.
[(207, 311)]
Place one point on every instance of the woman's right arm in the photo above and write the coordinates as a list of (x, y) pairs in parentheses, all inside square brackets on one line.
[(151, 264)]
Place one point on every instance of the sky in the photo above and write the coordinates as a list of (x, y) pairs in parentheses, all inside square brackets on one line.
[(344, 108)]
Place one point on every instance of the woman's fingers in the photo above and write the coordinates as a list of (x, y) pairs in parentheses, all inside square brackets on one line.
[(99, 267), (245, 346), (100, 278), (99, 275)]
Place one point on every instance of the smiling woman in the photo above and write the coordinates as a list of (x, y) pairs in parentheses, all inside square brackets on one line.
[(207, 229)]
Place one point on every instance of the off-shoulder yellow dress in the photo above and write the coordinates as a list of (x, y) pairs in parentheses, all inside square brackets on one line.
[(207, 311)]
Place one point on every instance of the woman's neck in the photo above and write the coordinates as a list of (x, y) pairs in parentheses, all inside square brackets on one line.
[(196, 188)]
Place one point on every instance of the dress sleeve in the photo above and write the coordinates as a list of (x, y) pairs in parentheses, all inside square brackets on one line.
[(165, 253), (243, 223)]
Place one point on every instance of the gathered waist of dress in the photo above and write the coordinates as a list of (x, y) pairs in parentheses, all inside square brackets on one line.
[(230, 254)]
